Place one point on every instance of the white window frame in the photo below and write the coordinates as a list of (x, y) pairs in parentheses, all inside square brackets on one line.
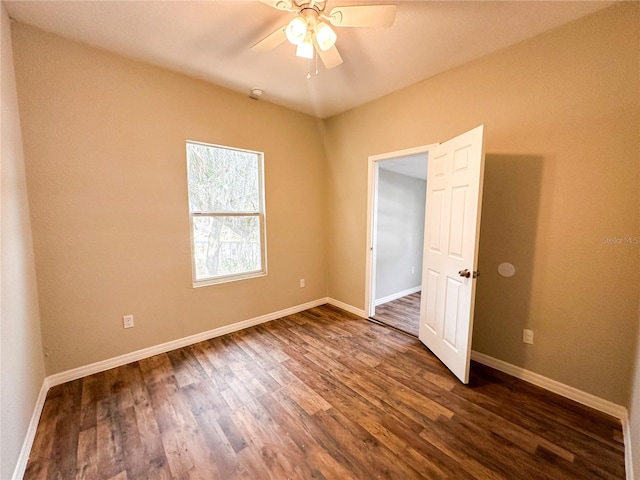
[(260, 214)]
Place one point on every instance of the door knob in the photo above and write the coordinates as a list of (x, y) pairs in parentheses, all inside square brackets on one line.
[(466, 273)]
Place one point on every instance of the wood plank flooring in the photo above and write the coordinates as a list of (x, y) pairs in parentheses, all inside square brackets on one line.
[(317, 395), (402, 313)]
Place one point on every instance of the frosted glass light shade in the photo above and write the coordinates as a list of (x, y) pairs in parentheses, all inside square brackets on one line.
[(296, 30), (325, 36), (305, 50)]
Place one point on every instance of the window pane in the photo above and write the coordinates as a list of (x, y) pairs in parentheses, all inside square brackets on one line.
[(226, 245), (222, 180)]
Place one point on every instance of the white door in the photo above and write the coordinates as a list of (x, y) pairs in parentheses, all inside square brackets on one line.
[(452, 230)]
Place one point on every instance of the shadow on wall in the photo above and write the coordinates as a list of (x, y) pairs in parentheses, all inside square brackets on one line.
[(511, 199)]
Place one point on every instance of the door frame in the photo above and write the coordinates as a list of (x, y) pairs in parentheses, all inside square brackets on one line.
[(372, 211)]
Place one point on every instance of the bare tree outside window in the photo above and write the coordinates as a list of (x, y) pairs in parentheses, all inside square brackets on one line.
[(226, 204)]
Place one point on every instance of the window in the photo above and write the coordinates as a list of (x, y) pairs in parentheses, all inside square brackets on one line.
[(226, 206)]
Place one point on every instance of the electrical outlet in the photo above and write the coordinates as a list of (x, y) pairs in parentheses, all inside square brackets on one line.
[(127, 321), (413, 270), (302, 283), (527, 336)]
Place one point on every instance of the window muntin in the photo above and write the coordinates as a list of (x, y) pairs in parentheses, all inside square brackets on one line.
[(226, 207)]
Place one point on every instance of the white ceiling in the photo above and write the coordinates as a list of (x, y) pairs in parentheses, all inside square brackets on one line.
[(210, 40), (412, 165)]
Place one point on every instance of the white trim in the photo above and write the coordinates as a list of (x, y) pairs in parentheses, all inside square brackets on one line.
[(518, 372), (628, 457), (571, 393), (345, 306), (372, 237), (23, 458), (554, 386), (120, 360), (372, 190), (76, 373), (395, 296), (260, 214)]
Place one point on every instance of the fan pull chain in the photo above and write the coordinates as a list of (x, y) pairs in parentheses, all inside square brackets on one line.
[(309, 66)]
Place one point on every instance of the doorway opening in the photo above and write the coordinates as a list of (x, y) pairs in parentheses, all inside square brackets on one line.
[(397, 217), (453, 206)]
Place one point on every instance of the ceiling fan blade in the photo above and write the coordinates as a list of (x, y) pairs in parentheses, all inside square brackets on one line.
[(331, 58), (363, 16), (271, 41), (285, 5)]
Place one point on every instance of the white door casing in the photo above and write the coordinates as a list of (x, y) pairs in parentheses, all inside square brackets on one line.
[(452, 232), (372, 181)]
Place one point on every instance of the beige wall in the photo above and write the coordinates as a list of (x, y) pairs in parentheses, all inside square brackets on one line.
[(104, 151), (561, 116), (106, 168), (21, 359)]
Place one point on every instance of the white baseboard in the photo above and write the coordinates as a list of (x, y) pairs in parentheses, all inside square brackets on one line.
[(120, 360), (518, 372), (554, 386), (345, 306), (30, 436), (572, 393), (628, 450), (76, 373), (395, 296)]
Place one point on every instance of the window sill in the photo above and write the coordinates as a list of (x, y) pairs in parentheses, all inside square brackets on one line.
[(228, 279)]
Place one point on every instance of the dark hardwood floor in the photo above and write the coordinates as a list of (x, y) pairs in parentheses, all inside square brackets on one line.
[(403, 313), (317, 395)]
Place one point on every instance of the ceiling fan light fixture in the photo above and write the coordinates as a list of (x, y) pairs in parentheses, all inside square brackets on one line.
[(296, 30), (305, 49), (310, 28), (325, 36)]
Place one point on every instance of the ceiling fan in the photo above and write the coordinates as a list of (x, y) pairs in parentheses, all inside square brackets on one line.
[(309, 30)]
